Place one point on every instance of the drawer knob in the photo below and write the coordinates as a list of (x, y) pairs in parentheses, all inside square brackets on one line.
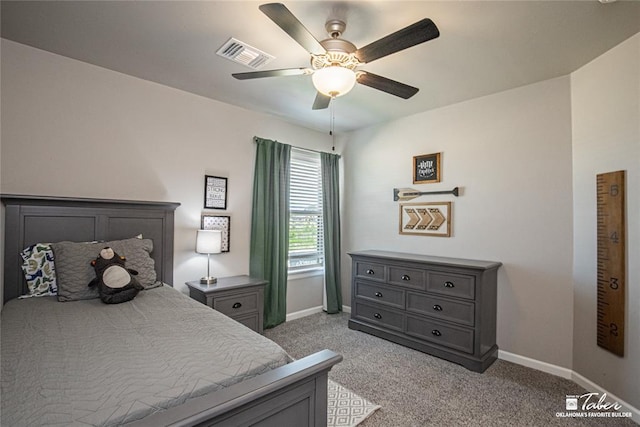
[(237, 305), (448, 285), (377, 316), (436, 332), (378, 294), (370, 272), (405, 277), (437, 307)]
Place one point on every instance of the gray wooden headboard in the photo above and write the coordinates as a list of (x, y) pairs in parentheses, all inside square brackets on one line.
[(33, 219)]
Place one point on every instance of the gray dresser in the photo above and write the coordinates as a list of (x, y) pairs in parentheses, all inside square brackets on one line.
[(442, 306)]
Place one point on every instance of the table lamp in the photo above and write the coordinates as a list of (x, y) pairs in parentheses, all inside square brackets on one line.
[(209, 242)]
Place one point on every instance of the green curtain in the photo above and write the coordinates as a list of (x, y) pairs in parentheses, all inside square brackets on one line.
[(270, 226), (331, 221)]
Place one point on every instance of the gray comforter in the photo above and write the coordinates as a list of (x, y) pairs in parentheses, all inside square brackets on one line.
[(89, 363)]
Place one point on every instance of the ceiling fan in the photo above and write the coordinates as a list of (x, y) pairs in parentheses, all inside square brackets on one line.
[(334, 61)]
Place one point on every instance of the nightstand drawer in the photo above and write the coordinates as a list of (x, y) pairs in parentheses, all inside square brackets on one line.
[(442, 308), (450, 336), (455, 285), (236, 304), (380, 294), (251, 321)]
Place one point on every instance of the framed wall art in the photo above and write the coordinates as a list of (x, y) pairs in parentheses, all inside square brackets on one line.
[(222, 223), (427, 168), (426, 219), (215, 192)]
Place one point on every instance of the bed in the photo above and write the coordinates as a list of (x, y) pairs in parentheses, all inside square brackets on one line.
[(160, 359)]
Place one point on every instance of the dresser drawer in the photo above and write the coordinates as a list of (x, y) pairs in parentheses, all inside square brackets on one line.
[(235, 304), (458, 338), (370, 271), (380, 294), (407, 277), (378, 315), (442, 308), (455, 285)]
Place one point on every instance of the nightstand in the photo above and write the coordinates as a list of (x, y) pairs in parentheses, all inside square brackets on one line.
[(239, 297)]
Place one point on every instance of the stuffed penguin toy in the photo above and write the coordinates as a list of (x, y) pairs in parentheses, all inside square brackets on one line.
[(115, 283)]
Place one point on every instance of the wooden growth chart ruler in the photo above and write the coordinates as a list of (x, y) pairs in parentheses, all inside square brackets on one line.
[(611, 261)]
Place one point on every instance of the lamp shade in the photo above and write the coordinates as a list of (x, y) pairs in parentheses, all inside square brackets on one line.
[(334, 80), (209, 242)]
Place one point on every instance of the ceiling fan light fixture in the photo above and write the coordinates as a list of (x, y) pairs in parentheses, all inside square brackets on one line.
[(334, 81)]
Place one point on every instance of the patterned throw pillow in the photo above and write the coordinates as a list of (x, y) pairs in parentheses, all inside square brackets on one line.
[(39, 270)]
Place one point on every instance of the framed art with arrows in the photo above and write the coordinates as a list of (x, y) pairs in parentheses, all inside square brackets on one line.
[(426, 219)]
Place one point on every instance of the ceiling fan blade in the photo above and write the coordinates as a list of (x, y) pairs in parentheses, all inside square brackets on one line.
[(283, 17), (271, 73), (387, 85), (321, 102), (412, 35)]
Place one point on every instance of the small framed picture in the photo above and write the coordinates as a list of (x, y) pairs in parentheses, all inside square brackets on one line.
[(426, 219), (222, 223), (215, 192), (426, 168)]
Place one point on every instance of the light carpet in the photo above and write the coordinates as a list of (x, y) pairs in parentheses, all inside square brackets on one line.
[(419, 390), (345, 408)]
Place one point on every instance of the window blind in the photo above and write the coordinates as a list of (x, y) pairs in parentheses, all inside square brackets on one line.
[(306, 249)]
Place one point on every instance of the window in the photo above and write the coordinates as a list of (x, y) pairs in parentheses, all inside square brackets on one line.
[(306, 243)]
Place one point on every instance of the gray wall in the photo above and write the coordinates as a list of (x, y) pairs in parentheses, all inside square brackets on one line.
[(74, 129), (606, 137), (511, 155)]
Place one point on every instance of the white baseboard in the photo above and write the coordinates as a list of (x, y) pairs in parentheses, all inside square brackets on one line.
[(569, 374), (310, 311), (304, 313), (535, 364)]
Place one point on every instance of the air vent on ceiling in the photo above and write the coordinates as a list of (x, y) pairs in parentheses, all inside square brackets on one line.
[(242, 53)]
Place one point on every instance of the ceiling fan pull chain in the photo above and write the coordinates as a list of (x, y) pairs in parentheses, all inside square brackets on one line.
[(332, 124)]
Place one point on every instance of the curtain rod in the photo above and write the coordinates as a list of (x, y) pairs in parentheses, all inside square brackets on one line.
[(304, 149), (313, 151)]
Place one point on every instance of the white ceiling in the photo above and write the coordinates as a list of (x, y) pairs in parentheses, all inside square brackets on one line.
[(484, 47)]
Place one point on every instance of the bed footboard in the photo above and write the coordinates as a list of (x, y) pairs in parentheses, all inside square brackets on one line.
[(291, 395)]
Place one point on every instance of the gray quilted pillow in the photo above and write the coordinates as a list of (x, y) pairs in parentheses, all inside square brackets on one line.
[(74, 270)]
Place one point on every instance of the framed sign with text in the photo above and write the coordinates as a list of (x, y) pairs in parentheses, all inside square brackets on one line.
[(426, 168), (215, 192)]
